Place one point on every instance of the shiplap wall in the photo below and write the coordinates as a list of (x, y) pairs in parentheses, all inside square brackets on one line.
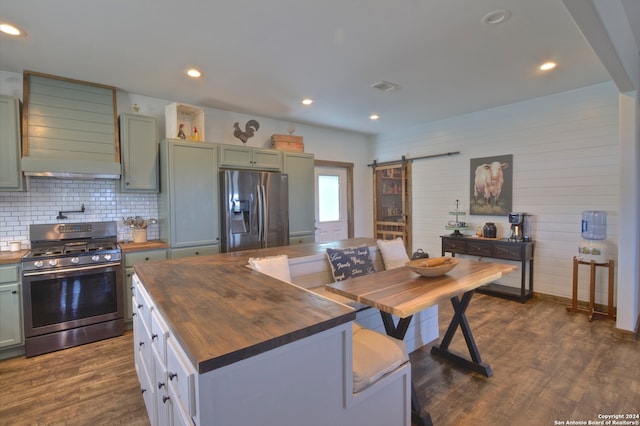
[(566, 160)]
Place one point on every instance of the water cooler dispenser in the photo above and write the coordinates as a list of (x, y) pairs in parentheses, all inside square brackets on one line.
[(594, 235), (593, 251)]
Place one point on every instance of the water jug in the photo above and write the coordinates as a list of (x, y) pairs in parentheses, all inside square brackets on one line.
[(594, 225)]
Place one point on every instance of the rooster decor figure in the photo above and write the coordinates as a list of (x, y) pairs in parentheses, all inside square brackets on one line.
[(250, 128)]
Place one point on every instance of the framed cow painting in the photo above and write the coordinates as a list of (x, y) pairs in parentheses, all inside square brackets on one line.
[(491, 185)]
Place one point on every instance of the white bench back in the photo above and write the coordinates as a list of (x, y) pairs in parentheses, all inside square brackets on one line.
[(314, 271)]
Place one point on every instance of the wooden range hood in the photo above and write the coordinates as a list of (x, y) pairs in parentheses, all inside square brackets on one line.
[(69, 128)]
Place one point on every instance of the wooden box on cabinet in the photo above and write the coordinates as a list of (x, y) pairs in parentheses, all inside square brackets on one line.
[(287, 143), (191, 116)]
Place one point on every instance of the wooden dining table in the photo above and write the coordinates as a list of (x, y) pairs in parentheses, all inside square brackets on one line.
[(402, 293)]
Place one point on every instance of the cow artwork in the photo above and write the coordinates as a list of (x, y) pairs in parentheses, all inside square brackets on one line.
[(491, 185)]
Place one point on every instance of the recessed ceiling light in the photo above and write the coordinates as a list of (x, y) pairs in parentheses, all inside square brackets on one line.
[(194, 73), (548, 66), (11, 30), (307, 101), (496, 17), (374, 117)]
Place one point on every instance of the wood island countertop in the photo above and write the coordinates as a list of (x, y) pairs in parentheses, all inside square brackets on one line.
[(222, 312)]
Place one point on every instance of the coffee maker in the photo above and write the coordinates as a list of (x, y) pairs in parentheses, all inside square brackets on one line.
[(519, 227)]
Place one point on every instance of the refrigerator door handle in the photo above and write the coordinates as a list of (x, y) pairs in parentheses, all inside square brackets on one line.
[(263, 224), (260, 208), (262, 214)]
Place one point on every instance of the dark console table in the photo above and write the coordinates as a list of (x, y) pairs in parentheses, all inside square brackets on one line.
[(521, 251)]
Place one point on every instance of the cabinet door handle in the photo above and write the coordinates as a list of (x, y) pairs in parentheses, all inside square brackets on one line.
[(172, 375), (165, 399), (143, 390), (160, 385), (14, 291), (140, 305), (141, 344), (154, 336)]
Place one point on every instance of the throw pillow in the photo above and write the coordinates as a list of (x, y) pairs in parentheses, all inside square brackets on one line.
[(274, 266), (394, 254), (350, 262)]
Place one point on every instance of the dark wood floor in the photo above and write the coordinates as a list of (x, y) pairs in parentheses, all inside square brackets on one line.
[(548, 365)]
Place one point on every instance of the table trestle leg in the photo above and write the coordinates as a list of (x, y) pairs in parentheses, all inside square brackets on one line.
[(398, 331), (460, 320)]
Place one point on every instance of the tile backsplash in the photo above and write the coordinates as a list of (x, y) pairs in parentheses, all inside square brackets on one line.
[(45, 197)]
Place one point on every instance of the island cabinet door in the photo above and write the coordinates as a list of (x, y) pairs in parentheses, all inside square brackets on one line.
[(159, 334), (178, 413), (144, 366), (181, 376), (163, 401)]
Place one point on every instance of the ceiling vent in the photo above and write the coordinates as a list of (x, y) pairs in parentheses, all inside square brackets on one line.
[(385, 86)]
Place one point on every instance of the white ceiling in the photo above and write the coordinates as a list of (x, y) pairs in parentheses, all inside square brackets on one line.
[(262, 57)]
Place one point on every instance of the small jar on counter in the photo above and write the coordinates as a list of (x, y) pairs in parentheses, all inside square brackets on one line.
[(490, 230)]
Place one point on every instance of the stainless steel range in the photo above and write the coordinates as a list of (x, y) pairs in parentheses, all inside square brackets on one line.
[(72, 286)]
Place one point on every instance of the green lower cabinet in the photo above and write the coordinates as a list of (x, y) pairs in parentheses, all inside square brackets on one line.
[(302, 239), (131, 259), (194, 251), (10, 307)]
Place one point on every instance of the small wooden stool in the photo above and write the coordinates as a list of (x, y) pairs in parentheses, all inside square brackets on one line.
[(592, 290)]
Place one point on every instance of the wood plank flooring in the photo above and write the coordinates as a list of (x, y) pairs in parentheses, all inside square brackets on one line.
[(548, 365)]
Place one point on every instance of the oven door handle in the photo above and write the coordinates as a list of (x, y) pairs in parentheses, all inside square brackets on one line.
[(65, 270)]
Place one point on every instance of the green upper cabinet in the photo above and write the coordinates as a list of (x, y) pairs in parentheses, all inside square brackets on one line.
[(139, 149), (11, 178), (242, 157), (300, 168), (188, 202)]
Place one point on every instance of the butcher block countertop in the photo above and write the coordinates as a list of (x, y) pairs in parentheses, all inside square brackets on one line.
[(129, 246), (222, 312), (7, 257)]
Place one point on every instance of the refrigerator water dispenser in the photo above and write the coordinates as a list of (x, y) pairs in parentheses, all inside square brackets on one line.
[(240, 217)]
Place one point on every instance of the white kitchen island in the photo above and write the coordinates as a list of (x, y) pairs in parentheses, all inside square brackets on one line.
[(220, 344)]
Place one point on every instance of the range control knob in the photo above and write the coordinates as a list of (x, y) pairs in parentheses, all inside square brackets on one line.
[(95, 258), (38, 263), (75, 259), (53, 262), (107, 256)]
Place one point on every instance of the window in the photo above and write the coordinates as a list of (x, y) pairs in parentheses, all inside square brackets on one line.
[(328, 198)]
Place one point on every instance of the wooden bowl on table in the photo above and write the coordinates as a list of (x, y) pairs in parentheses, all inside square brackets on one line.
[(432, 267)]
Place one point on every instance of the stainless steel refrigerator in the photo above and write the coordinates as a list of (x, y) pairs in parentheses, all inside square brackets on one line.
[(254, 210)]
